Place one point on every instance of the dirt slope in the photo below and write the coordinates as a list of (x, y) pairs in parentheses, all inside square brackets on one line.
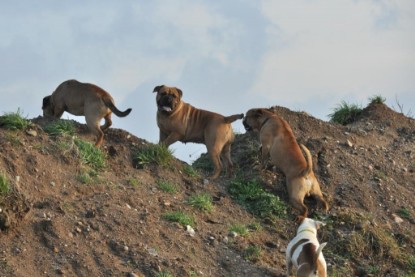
[(54, 224)]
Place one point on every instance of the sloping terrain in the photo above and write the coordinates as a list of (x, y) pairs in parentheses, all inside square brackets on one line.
[(54, 222)]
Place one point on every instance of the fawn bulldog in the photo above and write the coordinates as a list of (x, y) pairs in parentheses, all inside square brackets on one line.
[(83, 99), (280, 146), (304, 251), (180, 121)]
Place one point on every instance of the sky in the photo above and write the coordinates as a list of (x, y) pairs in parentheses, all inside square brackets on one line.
[(226, 56)]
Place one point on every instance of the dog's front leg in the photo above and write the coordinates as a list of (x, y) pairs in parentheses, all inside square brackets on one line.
[(169, 139), (264, 155)]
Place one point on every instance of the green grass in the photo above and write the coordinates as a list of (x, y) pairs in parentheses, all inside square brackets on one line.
[(88, 177), (404, 213), (411, 263), (203, 163), (153, 153), (255, 199), (4, 184), (60, 128), (179, 217), (133, 182), (14, 121), (252, 253), (345, 113), (91, 155), (240, 229), (167, 187), (190, 171), (377, 99), (201, 201)]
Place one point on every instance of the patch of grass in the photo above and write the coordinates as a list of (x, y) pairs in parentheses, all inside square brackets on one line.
[(203, 163), (91, 155), (252, 253), (13, 138), (251, 195), (153, 153), (345, 113), (240, 229), (179, 217), (377, 99), (190, 171), (167, 187), (88, 177), (337, 271), (411, 263), (193, 274), (380, 175), (14, 121), (60, 128), (404, 213), (255, 226), (4, 184), (133, 182), (201, 201)]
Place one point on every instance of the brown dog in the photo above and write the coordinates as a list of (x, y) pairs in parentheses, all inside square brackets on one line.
[(83, 99), (179, 121), (279, 144)]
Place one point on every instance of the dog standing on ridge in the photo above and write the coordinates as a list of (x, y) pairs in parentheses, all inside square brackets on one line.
[(83, 99), (280, 146), (180, 121)]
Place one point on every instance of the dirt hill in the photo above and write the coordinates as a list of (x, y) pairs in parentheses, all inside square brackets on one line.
[(62, 217)]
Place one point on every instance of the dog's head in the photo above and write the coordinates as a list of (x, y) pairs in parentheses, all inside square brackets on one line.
[(47, 106), (254, 119), (309, 224), (168, 98)]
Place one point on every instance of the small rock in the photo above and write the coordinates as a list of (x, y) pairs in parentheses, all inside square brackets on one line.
[(78, 230), (349, 143), (152, 252), (132, 274), (397, 219), (190, 230), (128, 206), (52, 184), (205, 182), (126, 248), (32, 133), (233, 234)]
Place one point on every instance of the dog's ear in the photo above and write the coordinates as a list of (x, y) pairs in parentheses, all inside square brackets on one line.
[(157, 88), (259, 113), (46, 102), (180, 92)]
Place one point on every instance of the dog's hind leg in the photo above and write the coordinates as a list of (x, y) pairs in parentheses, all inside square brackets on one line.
[(95, 128), (214, 153), (297, 192), (108, 122), (226, 158)]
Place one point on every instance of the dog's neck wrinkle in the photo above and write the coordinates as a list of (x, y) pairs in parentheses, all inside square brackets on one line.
[(263, 123)]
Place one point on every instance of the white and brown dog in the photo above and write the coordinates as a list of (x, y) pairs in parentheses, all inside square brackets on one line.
[(304, 252)]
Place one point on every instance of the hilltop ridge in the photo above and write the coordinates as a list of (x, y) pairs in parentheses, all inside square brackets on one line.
[(54, 222)]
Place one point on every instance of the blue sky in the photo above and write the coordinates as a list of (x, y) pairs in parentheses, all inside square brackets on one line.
[(226, 56)]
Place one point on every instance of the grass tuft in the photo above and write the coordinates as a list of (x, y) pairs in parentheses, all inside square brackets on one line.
[(345, 113), (4, 184), (201, 201), (251, 195), (377, 99), (240, 229), (60, 128), (167, 187), (179, 217), (190, 171), (91, 155), (153, 153), (14, 121), (253, 253)]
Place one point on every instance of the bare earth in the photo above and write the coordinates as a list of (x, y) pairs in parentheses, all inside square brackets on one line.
[(52, 224)]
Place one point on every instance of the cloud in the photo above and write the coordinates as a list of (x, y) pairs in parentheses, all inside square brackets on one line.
[(321, 48)]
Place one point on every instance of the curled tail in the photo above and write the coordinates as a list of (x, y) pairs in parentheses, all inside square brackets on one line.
[(108, 102), (309, 160), (232, 118)]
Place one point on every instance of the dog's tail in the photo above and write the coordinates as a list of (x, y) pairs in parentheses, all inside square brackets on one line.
[(232, 118), (108, 102), (318, 252), (309, 160)]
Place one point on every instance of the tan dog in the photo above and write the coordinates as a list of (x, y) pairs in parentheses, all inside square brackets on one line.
[(304, 252), (179, 121), (279, 144), (83, 99)]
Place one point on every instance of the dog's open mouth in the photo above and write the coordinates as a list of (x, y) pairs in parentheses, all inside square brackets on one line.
[(247, 127)]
